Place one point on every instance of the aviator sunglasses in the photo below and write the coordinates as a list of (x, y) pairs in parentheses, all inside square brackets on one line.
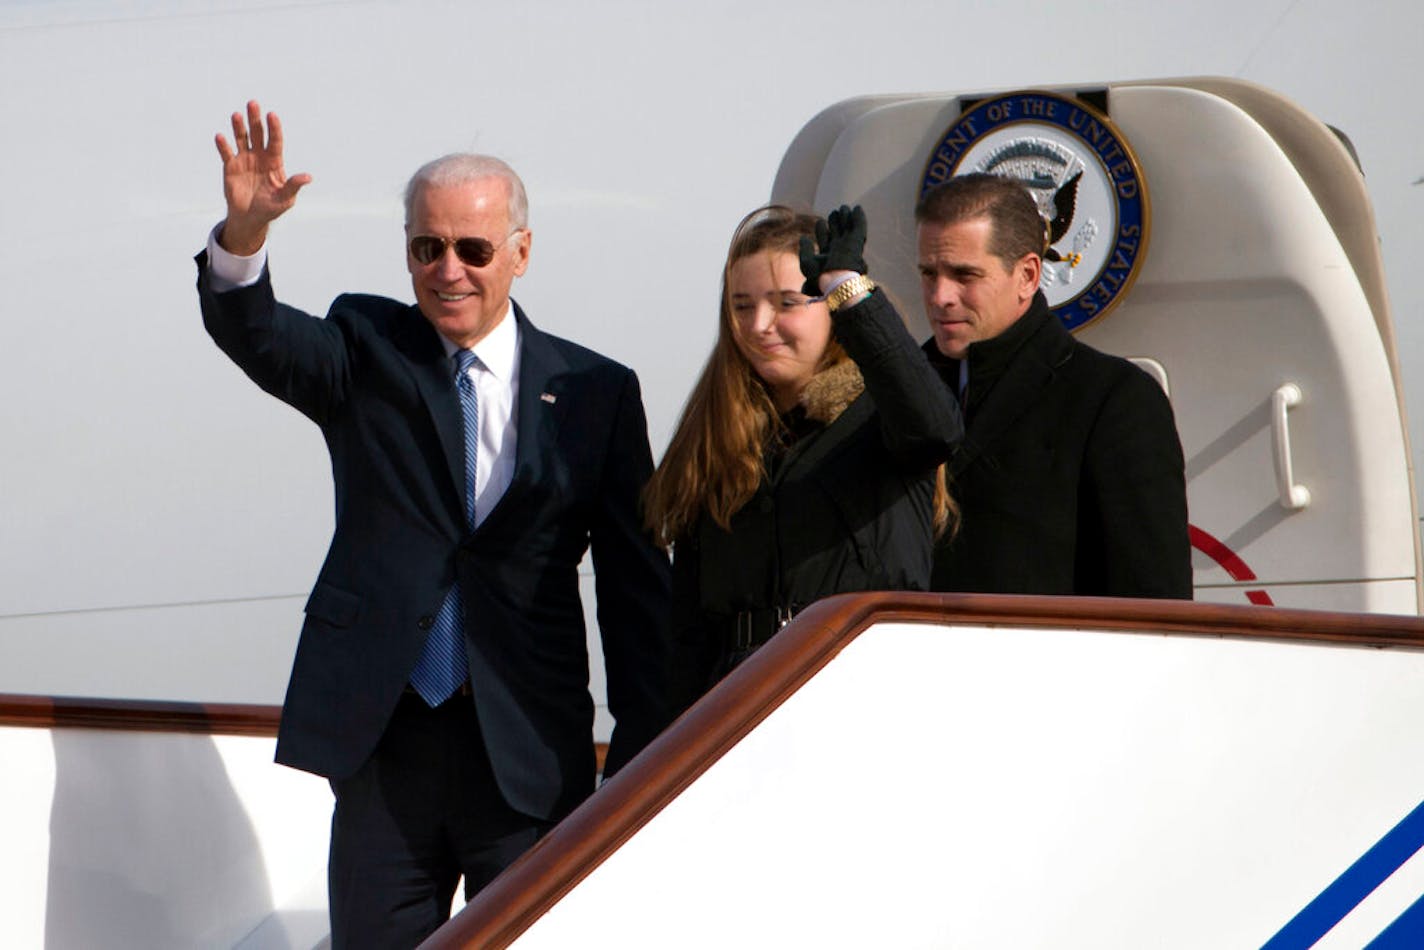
[(474, 251)]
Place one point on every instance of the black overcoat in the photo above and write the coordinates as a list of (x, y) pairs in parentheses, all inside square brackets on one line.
[(1070, 478)]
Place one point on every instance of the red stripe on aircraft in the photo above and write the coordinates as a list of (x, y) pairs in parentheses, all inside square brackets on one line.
[(1230, 561)]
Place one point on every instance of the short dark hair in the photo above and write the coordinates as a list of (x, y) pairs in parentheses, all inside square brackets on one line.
[(1015, 226)]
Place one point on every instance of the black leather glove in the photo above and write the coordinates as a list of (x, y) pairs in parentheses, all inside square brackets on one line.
[(841, 243)]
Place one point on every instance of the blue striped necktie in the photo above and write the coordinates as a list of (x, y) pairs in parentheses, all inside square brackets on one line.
[(442, 666)]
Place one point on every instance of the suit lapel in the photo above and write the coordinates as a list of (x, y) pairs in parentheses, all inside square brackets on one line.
[(434, 377), (542, 401)]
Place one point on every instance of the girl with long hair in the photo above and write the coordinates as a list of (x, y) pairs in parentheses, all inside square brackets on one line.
[(808, 459)]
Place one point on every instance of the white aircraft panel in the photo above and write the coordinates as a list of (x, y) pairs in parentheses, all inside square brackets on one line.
[(123, 839), (1006, 787), (1372, 597), (1245, 288)]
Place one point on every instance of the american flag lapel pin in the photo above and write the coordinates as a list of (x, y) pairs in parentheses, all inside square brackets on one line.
[(548, 397)]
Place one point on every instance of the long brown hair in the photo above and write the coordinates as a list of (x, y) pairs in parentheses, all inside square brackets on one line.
[(714, 462)]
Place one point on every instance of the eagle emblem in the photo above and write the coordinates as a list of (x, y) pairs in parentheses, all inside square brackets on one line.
[(1083, 176)]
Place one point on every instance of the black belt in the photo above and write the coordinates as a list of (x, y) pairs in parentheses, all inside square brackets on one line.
[(749, 629)]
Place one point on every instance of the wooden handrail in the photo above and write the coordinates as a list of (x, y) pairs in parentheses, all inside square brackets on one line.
[(598, 827), (138, 715), (145, 715)]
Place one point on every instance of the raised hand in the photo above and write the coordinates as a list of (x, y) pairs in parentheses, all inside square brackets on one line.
[(255, 184), (839, 246)]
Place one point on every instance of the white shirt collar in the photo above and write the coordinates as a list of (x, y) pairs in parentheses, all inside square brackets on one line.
[(499, 350)]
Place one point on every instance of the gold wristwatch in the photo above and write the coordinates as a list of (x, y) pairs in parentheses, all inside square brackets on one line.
[(857, 285)]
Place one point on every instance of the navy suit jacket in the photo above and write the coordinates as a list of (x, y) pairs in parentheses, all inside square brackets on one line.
[(374, 376)]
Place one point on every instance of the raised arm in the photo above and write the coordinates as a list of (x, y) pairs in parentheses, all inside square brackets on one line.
[(920, 422), (255, 184), (294, 356)]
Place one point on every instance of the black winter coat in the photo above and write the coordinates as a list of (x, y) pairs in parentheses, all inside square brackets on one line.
[(847, 507), (1070, 478)]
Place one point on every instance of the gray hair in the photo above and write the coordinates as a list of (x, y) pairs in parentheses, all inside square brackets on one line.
[(460, 168)]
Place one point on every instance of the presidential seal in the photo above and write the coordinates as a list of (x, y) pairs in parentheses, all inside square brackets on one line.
[(1087, 182)]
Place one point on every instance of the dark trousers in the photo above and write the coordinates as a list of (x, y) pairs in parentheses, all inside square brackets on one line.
[(421, 812)]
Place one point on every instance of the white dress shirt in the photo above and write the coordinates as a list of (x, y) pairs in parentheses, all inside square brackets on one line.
[(495, 374)]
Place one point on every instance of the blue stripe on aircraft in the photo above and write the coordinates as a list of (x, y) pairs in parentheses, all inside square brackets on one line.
[(1347, 890), (1406, 933)]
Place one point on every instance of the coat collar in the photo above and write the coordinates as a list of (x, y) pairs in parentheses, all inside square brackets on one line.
[(990, 359), (435, 379), (830, 391), (826, 398), (1007, 376)]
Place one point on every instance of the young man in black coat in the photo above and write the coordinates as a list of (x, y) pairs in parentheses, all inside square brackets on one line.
[(1070, 479)]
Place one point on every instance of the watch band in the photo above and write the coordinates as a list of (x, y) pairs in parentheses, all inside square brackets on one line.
[(857, 285)]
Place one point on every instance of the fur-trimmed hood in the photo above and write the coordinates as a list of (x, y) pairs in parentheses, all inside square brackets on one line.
[(831, 390)]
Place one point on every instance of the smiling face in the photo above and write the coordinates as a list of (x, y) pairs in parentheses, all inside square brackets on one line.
[(776, 328), (464, 303), (969, 293)]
